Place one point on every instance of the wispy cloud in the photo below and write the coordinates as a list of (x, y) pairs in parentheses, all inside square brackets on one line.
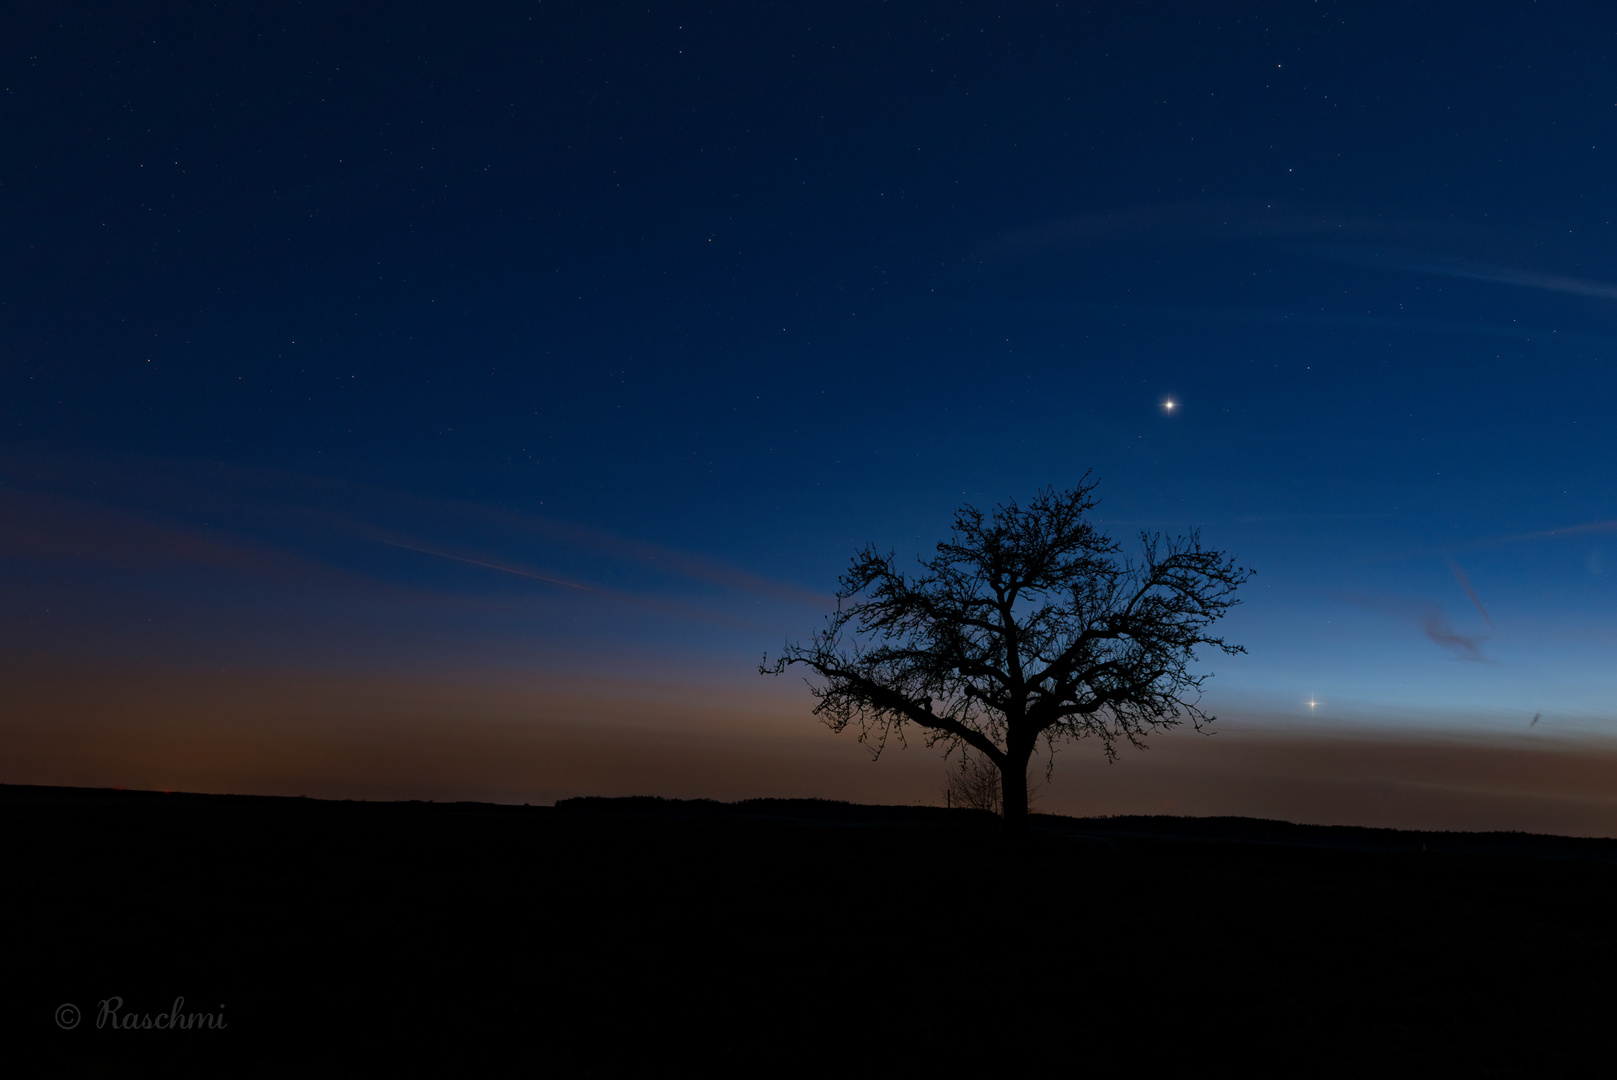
[(641, 600), (1556, 534), (1465, 583), (1408, 262), (1198, 221), (162, 558), (278, 511), (1305, 320), (1433, 621), (1561, 533), (1283, 517), (687, 564), (47, 527), (1311, 230), (484, 563)]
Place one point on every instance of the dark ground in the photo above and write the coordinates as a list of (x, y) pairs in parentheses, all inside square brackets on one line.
[(621, 937)]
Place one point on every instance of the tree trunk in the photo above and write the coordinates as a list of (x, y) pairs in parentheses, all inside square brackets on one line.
[(1013, 798)]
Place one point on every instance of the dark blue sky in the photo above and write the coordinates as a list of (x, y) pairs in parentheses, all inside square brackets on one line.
[(587, 341)]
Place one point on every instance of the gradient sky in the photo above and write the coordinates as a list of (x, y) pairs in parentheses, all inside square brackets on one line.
[(457, 400)]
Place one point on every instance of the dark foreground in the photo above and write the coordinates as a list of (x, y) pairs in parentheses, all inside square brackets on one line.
[(628, 937)]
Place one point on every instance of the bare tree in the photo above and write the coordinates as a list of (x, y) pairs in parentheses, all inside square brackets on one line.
[(1029, 624), (974, 784)]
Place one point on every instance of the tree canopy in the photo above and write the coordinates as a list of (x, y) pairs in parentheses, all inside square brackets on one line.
[(1029, 625)]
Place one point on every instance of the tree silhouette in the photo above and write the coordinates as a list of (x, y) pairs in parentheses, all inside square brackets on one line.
[(974, 784), (1028, 625)]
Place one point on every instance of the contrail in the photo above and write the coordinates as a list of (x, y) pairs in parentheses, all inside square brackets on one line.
[(1471, 271), (605, 594), (1569, 530), (1465, 583), (1432, 620), (1504, 275), (486, 565), (1436, 625)]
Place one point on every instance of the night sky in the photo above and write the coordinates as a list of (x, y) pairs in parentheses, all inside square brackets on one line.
[(457, 401)]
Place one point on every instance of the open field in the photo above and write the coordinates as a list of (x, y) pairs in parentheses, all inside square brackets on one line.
[(612, 937)]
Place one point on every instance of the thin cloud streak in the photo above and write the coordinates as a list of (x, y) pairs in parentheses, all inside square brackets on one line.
[(1199, 221), (1555, 534), (1473, 271), (1432, 620), (1465, 583), (1564, 532), (634, 599), (1503, 275), (52, 528), (239, 565), (689, 564), (483, 563), (1284, 221), (1435, 623), (581, 538), (304, 510), (1326, 320)]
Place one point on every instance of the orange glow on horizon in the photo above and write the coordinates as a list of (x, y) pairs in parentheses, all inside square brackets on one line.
[(461, 737)]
